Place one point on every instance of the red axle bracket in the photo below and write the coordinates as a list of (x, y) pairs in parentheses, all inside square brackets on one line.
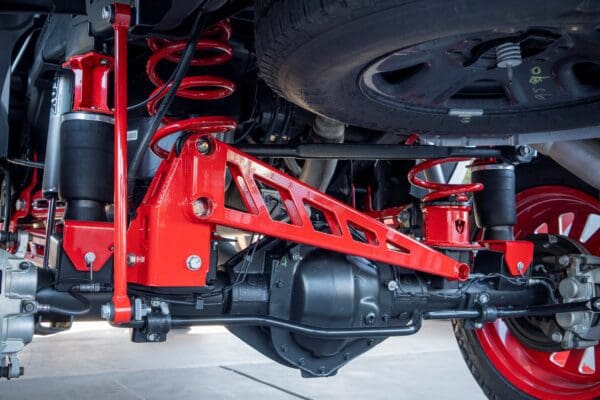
[(186, 200)]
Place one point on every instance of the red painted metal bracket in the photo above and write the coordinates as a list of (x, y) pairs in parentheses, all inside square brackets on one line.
[(82, 237), (518, 254), (90, 92), (187, 199)]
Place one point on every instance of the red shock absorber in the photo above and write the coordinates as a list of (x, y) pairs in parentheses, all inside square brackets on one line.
[(446, 209), (214, 44)]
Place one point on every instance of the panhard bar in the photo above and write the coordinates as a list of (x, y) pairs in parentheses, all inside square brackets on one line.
[(345, 151)]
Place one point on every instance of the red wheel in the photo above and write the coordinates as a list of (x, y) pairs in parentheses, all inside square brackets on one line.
[(561, 375)]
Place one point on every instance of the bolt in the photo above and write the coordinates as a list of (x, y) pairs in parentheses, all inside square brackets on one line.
[(392, 286), (346, 356), (322, 370), (152, 337), (106, 311), (564, 260), (301, 361), (296, 256), (478, 325), (20, 204), (89, 258), (284, 348), (370, 318), (203, 146), (524, 150), (201, 207), (131, 259), (29, 307), (596, 304), (520, 267), (557, 337), (107, 14), (24, 266), (370, 343), (193, 262), (279, 284), (483, 298)]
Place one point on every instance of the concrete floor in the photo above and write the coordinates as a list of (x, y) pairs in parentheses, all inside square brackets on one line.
[(94, 361)]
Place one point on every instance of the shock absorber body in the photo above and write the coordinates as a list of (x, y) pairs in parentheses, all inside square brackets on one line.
[(198, 87)]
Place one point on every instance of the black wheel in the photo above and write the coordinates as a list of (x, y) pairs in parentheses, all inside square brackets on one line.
[(422, 65)]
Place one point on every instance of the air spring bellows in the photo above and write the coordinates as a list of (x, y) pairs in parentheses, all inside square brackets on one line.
[(494, 206), (86, 167)]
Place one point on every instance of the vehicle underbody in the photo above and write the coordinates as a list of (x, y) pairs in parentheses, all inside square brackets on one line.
[(200, 163)]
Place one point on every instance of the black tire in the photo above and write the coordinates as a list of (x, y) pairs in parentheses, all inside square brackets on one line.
[(492, 383), (313, 51)]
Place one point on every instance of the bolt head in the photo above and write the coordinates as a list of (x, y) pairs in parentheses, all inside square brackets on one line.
[(106, 311), (107, 14), (203, 146), (296, 256), (193, 262), (392, 286), (557, 337), (524, 150), (484, 298), (597, 304), (564, 260), (520, 266), (201, 207), (89, 257)]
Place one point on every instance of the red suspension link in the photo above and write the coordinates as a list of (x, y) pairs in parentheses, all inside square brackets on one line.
[(199, 87), (120, 300)]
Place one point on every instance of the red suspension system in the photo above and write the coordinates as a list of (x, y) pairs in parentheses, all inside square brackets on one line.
[(215, 51), (445, 223)]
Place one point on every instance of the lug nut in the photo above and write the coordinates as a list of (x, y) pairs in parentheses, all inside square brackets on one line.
[(193, 262)]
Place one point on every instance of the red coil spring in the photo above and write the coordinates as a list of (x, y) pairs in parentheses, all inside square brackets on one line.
[(442, 190), (198, 87)]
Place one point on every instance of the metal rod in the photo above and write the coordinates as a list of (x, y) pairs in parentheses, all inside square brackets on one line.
[(344, 151), (302, 329), (49, 228), (7, 201)]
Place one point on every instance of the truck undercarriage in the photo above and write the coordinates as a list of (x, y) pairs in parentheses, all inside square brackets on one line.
[(166, 166)]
